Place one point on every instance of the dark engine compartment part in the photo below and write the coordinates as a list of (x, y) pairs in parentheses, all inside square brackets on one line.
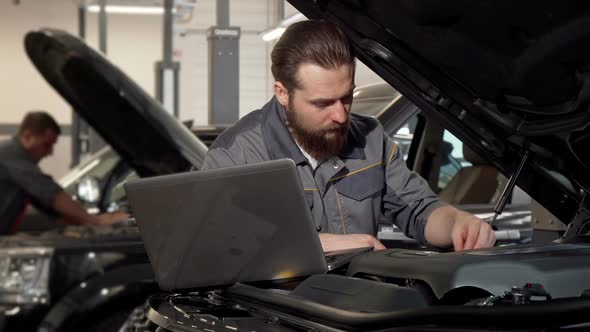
[(316, 305), (66, 277), (561, 268), (512, 288)]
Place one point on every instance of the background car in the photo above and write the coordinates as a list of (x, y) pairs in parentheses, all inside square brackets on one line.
[(88, 278)]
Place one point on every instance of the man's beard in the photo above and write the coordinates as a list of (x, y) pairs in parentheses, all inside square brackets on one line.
[(320, 144)]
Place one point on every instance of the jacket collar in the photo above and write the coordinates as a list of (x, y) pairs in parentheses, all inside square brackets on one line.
[(279, 140), (354, 149)]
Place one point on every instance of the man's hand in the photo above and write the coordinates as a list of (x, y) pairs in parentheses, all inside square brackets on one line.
[(112, 217), (471, 232), (72, 212), (448, 226), (331, 242)]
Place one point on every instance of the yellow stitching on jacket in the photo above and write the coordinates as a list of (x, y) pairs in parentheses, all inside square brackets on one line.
[(340, 209), (311, 189), (392, 153), (357, 171)]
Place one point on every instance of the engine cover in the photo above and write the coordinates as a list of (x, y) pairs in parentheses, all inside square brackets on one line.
[(562, 269)]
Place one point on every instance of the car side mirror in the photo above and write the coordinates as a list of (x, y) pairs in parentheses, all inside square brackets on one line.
[(88, 190)]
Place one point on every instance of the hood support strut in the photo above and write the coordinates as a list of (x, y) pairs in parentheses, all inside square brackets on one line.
[(579, 223), (509, 187)]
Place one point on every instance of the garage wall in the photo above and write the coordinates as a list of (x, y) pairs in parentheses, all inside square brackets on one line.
[(252, 16), (135, 44), (22, 87)]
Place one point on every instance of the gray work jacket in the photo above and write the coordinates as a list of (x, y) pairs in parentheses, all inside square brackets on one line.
[(365, 185), (22, 181)]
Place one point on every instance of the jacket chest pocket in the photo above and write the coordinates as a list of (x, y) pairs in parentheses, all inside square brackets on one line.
[(362, 185)]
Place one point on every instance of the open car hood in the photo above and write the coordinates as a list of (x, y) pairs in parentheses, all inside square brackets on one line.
[(133, 123), (508, 78)]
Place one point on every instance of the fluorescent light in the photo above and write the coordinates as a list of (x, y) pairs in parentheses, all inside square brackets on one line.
[(292, 19), (128, 10), (273, 34)]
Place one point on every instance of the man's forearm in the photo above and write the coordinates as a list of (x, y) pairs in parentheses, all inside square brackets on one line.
[(440, 225), (331, 242), (71, 211)]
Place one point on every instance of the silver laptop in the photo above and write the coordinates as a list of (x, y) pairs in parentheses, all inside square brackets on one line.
[(217, 227)]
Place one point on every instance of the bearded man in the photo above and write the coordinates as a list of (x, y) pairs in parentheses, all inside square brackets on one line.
[(353, 174)]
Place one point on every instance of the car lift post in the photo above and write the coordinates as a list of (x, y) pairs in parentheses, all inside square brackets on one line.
[(224, 85), (85, 140), (167, 70)]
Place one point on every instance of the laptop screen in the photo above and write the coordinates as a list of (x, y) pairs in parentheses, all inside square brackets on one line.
[(221, 226)]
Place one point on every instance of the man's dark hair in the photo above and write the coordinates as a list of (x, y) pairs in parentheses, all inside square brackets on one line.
[(37, 122), (317, 42)]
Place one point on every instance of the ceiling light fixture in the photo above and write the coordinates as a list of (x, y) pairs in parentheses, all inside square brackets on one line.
[(275, 33), (141, 10)]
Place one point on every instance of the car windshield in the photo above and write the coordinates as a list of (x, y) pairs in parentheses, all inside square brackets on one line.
[(374, 100), (118, 196), (370, 106), (98, 166)]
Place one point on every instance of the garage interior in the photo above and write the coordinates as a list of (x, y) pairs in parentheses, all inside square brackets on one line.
[(181, 42), (141, 89)]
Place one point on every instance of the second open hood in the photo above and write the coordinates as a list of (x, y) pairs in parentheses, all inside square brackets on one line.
[(133, 123)]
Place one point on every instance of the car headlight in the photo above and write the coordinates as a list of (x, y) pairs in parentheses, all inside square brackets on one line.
[(24, 275)]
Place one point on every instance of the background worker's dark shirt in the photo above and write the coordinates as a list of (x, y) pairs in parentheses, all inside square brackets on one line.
[(22, 180)]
